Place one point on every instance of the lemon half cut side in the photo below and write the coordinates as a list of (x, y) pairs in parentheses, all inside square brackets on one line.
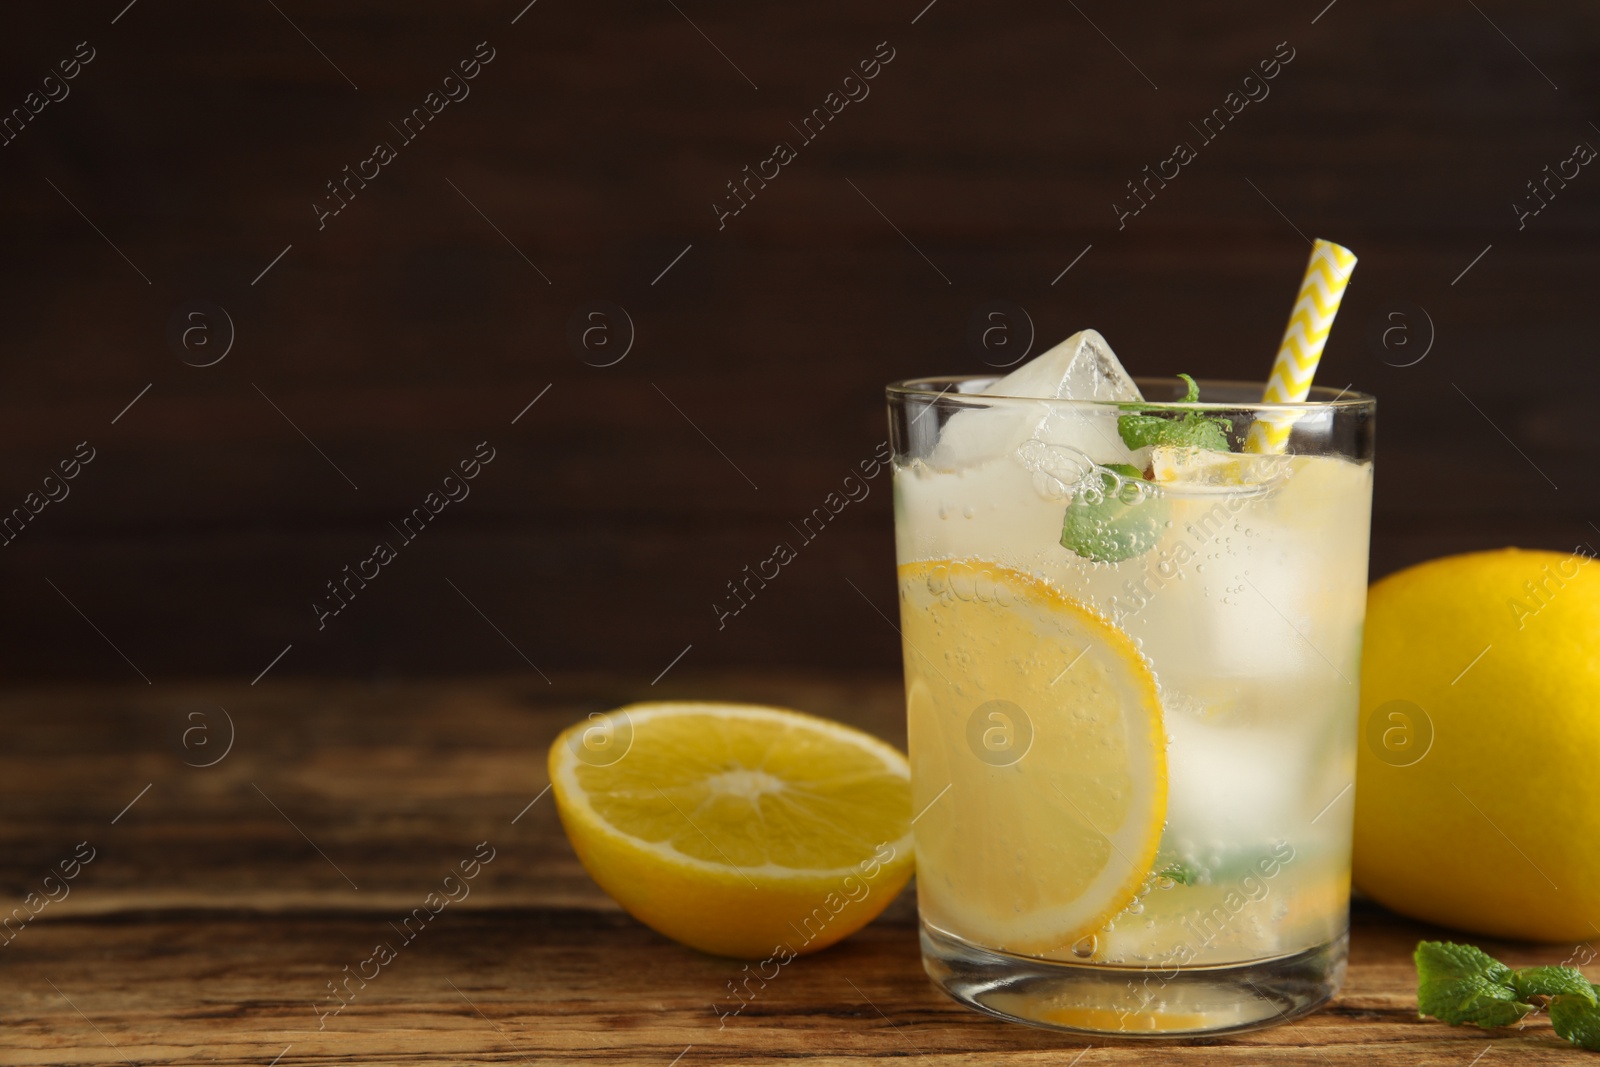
[(737, 829)]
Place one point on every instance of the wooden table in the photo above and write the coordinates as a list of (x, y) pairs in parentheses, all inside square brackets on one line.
[(221, 901)]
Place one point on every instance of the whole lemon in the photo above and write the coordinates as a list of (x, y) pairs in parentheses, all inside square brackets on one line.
[(1478, 775)]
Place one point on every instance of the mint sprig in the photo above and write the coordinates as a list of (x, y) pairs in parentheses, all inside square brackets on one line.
[(1190, 430), (1461, 984)]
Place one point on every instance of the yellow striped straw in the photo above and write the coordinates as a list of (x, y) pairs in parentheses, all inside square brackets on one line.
[(1327, 275)]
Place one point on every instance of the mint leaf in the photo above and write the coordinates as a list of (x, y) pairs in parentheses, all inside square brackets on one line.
[(1191, 430), (1577, 1019), (1446, 959), (1477, 1000), (1552, 982), (1120, 519), (1462, 984), (1180, 872)]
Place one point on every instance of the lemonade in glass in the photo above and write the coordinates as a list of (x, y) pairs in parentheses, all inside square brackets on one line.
[(1132, 652)]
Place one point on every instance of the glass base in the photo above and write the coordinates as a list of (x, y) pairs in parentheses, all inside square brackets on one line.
[(1103, 999)]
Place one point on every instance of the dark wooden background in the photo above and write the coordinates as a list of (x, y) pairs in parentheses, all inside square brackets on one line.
[(596, 141)]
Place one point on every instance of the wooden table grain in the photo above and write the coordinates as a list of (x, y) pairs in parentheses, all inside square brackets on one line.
[(223, 903)]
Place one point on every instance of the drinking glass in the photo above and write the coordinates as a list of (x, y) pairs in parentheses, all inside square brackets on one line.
[(1131, 702)]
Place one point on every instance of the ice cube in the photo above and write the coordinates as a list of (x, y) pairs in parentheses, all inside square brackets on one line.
[(1230, 783), (1082, 367)]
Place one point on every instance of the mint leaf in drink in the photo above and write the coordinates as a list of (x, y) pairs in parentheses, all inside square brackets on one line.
[(1180, 872), (1462, 984), (1190, 430), (1115, 515), (1552, 982), (1577, 1019)]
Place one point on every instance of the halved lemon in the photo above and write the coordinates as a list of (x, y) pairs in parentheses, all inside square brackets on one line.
[(1038, 759), (739, 830)]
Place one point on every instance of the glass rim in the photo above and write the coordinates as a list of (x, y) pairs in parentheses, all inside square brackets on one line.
[(936, 387)]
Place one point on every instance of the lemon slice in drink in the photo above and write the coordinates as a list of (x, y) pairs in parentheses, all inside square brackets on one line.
[(1199, 468), (736, 829), (1039, 768)]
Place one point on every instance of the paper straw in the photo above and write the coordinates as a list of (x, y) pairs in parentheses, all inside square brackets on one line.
[(1327, 275)]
